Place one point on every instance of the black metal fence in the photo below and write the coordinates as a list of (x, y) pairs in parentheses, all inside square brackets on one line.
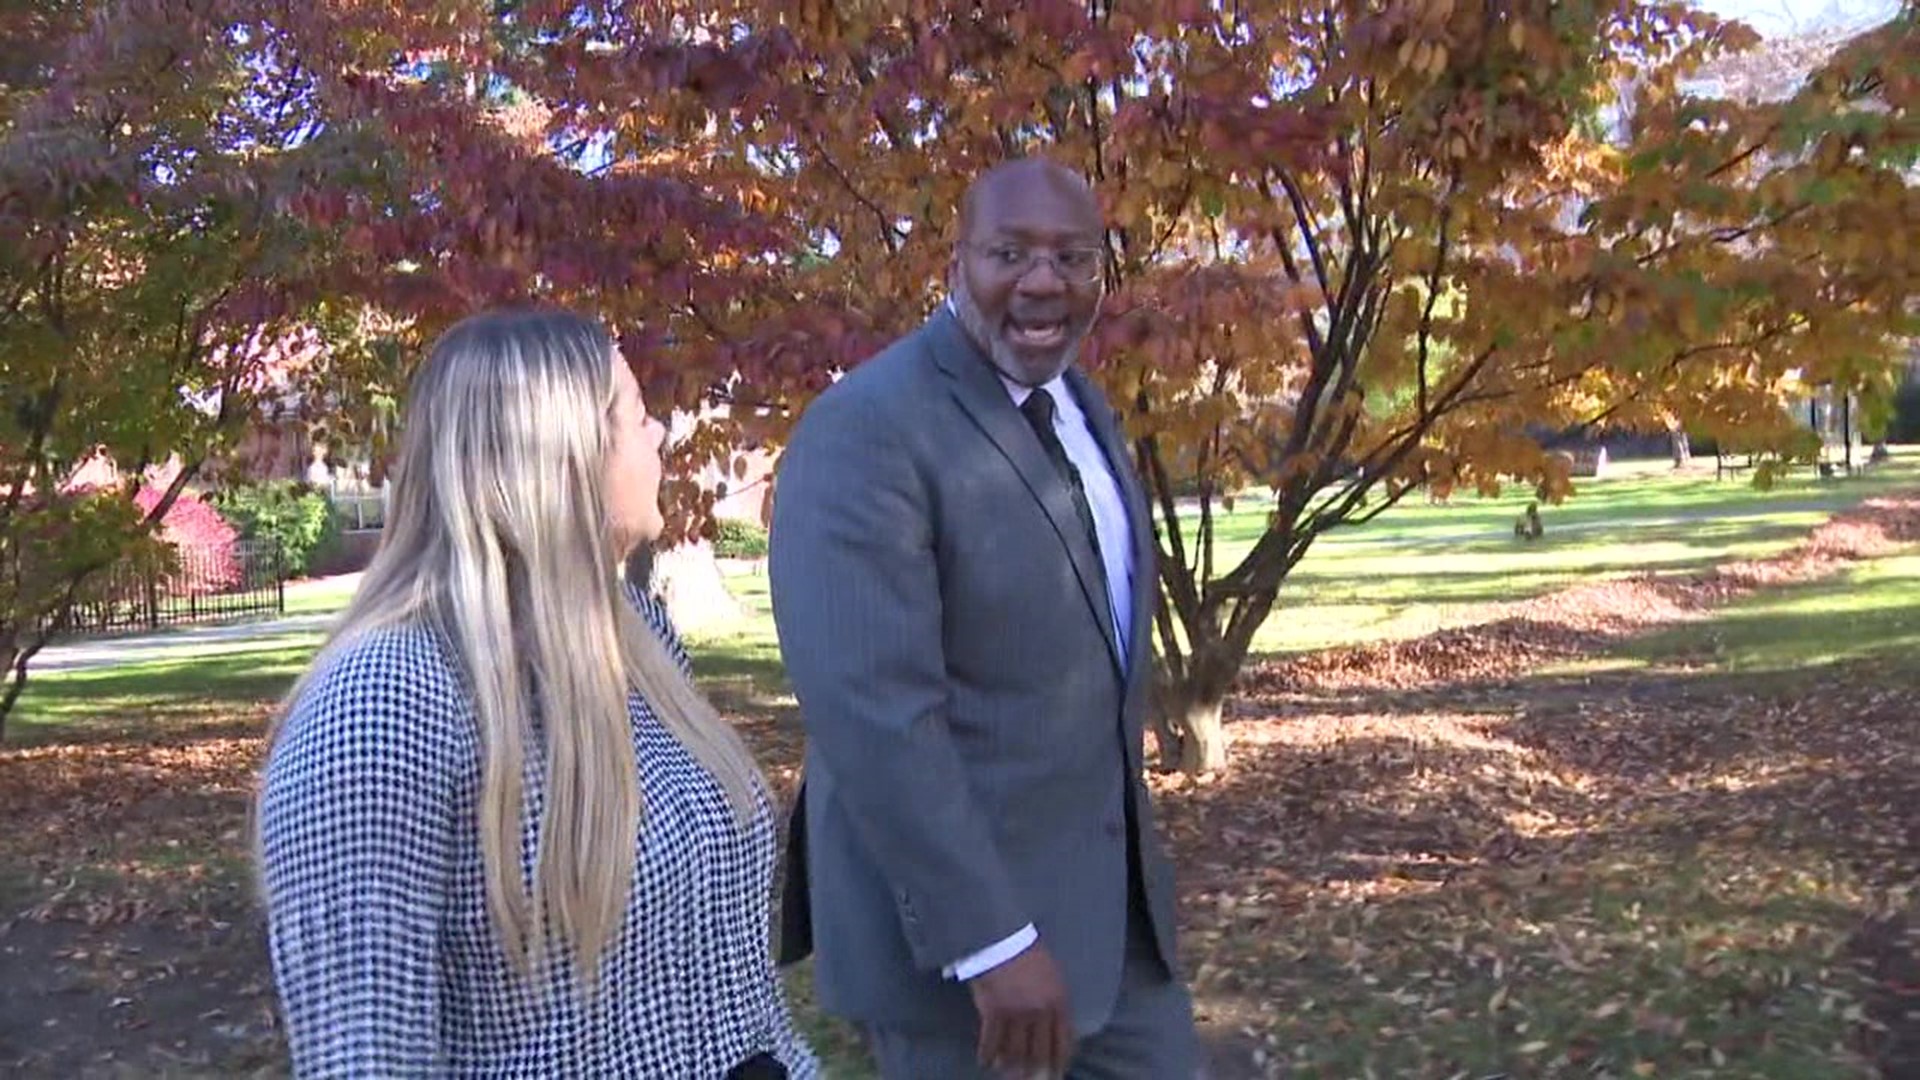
[(208, 583)]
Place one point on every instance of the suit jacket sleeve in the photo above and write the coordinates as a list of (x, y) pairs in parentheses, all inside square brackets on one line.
[(856, 598)]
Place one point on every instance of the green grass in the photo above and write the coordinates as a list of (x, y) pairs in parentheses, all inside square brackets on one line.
[(320, 595), (1377, 580), (135, 697), (1871, 612), (1385, 579)]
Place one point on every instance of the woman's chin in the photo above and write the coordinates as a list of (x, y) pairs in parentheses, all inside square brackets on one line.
[(628, 541), (649, 534)]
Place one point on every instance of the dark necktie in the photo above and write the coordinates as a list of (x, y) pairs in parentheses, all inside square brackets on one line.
[(1038, 409)]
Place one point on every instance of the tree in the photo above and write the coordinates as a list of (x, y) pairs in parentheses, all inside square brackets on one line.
[(493, 171), (1358, 247), (146, 272)]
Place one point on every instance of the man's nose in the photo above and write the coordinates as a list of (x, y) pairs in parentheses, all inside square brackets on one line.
[(1042, 278)]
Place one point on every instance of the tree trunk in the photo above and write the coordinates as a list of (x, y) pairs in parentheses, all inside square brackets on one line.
[(14, 682), (1846, 431), (18, 646), (688, 580), (1188, 718), (1682, 448)]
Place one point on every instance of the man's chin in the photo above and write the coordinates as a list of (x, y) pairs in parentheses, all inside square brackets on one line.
[(1032, 367)]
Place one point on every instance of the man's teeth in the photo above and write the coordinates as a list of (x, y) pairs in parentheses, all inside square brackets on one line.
[(1037, 335)]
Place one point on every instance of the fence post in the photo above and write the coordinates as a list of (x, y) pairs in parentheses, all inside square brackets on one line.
[(279, 580)]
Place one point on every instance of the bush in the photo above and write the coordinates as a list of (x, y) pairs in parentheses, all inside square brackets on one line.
[(201, 541), (733, 539), (300, 519)]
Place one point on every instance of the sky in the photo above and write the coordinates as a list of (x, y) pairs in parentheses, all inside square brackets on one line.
[(1773, 18)]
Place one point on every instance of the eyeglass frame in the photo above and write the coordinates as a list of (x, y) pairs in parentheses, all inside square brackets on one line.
[(1032, 256)]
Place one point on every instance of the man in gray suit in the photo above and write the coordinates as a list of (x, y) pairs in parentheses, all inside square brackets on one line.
[(962, 571)]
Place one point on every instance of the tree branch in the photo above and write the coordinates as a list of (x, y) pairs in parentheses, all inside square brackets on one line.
[(1309, 227), (1315, 344), (1726, 235), (1735, 161), (1175, 571), (1425, 332), (889, 233)]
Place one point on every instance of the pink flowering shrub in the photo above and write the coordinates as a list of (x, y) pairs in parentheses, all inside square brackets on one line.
[(202, 543)]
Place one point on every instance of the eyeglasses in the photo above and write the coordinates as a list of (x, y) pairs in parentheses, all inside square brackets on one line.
[(1075, 265)]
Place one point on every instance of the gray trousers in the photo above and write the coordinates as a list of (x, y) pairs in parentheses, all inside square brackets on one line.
[(1150, 1036)]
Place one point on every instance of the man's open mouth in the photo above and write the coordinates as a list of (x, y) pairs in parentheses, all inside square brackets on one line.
[(1037, 334)]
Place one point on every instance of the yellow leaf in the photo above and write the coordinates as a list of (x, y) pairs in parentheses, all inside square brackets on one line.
[(1534, 1047)]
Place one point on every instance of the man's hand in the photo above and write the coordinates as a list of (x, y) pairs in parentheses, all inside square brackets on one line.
[(1024, 1025)]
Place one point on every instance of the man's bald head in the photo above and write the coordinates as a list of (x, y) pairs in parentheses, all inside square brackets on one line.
[(1028, 267), (1023, 180)]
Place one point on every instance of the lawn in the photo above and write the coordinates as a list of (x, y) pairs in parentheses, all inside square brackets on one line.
[(320, 595), (1681, 855), (1415, 566), (1396, 575), (1869, 613)]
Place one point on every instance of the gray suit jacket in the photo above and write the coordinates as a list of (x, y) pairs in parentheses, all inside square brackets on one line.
[(974, 738)]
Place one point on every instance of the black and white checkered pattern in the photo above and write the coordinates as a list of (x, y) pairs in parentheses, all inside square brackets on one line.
[(384, 952)]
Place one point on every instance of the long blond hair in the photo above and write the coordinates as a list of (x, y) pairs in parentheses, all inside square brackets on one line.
[(498, 538)]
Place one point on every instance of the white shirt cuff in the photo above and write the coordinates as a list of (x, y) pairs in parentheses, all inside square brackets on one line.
[(994, 955)]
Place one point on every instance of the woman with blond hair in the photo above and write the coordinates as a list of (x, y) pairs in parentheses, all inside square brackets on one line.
[(501, 834)]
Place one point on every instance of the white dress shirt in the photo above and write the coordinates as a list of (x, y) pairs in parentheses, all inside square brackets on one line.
[(1116, 554)]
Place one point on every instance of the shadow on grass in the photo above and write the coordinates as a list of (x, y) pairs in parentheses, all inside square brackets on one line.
[(1873, 611), (141, 700), (1598, 505)]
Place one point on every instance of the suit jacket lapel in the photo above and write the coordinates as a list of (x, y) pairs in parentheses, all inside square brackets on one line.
[(1146, 584), (979, 391)]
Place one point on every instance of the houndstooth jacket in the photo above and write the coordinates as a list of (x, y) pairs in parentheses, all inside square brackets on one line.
[(383, 949)]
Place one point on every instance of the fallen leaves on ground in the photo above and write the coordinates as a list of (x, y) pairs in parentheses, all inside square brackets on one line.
[(93, 819), (1573, 880), (1422, 864), (1425, 863)]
